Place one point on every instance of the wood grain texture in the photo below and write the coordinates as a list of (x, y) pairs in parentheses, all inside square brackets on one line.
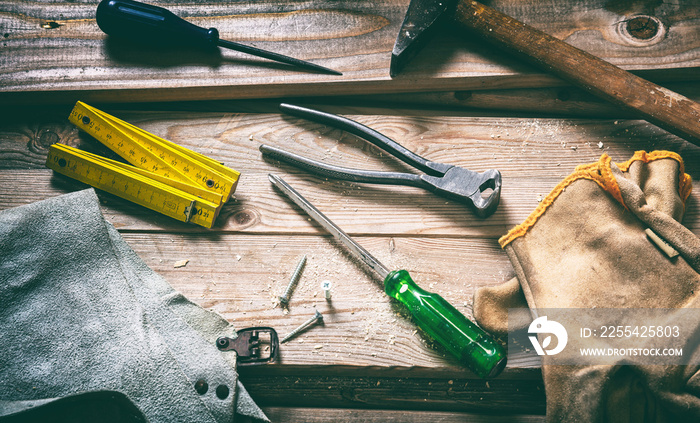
[(406, 391), (533, 155), (554, 101), (368, 354), (54, 51), (311, 415), (668, 109)]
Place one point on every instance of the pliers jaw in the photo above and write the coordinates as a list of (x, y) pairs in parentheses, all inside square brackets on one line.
[(481, 191)]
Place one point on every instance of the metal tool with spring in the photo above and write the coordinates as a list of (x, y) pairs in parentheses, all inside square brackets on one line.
[(460, 336), (453, 181)]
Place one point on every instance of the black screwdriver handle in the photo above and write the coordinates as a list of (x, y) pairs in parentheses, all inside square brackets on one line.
[(151, 24)]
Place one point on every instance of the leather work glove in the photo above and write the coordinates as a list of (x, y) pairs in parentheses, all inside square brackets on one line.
[(608, 237)]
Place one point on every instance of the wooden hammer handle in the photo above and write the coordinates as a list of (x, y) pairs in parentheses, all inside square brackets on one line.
[(667, 109)]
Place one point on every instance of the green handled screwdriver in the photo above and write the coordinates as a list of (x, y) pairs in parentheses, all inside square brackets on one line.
[(459, 335), (150, 24)]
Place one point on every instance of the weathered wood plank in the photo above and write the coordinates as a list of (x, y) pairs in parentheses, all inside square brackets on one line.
[(555, 101), (241, 277), (533, 156), (369, 353), (241, 266), (358, 211), (55, 51), (317, 415), (351, 389)]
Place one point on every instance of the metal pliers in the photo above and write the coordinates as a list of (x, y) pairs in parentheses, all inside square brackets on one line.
[(453, 181)]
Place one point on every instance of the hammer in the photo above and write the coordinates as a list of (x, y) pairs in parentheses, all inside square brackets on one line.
[(665, 108)]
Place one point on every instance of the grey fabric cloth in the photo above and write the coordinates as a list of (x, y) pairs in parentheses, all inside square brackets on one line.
[(81, 313)]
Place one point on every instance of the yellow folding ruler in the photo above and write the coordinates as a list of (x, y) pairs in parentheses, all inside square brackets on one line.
[(165, 177)]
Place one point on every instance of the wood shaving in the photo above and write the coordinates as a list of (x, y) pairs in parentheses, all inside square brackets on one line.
[(180, 263)]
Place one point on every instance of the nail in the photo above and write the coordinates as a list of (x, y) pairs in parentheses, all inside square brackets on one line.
[(317, 318)]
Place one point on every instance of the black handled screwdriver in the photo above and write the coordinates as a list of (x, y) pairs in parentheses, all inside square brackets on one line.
[(146, 23)]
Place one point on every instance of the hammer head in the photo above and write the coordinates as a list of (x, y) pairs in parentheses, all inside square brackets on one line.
[(420, 22)]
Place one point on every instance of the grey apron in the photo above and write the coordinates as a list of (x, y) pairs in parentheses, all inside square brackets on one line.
[(81, 315)]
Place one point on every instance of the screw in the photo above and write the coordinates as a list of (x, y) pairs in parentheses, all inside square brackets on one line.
[(284, 299), (326, 287), (317, 318)]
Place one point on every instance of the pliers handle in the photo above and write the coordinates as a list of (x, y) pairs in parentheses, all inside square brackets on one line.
[(453, 181)]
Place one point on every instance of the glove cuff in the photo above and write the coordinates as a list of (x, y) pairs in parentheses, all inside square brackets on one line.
[(602, 172)]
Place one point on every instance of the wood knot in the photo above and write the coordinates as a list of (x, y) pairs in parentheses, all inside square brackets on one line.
[(48, 138), (643, 27), (50, 25), (563, 94), (42, 141), (244, 218), (642, 30), (463, 95)]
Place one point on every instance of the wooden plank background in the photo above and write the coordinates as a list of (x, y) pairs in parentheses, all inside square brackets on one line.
[(53, 51), (368, 356), (367, 362)]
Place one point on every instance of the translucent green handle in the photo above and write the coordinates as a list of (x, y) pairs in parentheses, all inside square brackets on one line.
[(460, 336)]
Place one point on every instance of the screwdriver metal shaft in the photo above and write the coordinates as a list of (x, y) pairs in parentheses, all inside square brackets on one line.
[(331, 227), (276, 57)]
